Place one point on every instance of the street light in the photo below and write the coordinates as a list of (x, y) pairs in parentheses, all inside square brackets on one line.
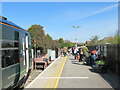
[(76, 27)]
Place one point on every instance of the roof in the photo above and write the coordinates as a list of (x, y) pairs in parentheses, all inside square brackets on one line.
[(4, 20)]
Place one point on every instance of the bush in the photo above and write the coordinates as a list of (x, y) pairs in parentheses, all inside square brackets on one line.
[(101, 66), (101, 62)]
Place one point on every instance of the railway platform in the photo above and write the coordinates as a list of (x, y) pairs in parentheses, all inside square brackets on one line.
[(65, 72)]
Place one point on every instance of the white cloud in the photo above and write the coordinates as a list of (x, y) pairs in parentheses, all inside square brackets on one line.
[(101, 11), (69, 15)]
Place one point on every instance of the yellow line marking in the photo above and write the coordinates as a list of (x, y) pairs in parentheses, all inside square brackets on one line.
[(41, 74), (55, 71), (57, 81)]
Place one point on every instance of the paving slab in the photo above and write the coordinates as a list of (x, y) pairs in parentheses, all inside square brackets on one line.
[(65, 72), (77, 71), (48, 78)]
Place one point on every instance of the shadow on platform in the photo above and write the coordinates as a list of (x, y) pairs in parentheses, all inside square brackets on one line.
[(110, 77)]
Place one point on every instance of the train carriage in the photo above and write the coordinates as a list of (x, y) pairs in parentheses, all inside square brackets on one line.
[(15, 54)]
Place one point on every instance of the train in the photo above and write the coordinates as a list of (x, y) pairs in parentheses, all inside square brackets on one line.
[(15, 55)]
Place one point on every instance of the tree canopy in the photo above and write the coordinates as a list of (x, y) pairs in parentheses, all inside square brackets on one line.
[(61, 40), (44, 41), (106, 40), (94, 39)]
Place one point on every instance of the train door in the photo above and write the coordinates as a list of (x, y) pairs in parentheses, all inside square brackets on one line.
[(24, 58), (24, 53)]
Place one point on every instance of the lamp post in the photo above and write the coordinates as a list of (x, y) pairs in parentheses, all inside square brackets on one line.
[(76, 27)]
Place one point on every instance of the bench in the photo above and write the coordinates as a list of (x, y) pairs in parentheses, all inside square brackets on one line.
[(38, 62)]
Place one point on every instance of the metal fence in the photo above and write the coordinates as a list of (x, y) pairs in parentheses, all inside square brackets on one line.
[(111, 52)]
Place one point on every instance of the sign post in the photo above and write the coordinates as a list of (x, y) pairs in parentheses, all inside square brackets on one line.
[(35, 47)]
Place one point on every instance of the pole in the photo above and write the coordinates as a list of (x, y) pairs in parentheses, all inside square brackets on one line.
[(76, 27), (35, 48), (35, 53), (76, 36)]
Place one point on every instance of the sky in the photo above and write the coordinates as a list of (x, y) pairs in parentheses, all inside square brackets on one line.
[(57, 18)]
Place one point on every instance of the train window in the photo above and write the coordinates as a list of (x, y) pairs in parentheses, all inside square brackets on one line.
[(9, 57), (7, 33), (7, 44), (15, 44), (16, 54), (10, 52), (16, 35)]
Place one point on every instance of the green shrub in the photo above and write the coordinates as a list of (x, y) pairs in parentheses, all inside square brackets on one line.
[(102, 62)]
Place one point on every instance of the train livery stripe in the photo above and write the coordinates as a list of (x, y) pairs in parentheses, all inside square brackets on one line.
[(22, 71), (11, 26)]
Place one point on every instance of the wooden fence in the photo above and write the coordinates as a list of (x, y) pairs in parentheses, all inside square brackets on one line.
[(112, 54)]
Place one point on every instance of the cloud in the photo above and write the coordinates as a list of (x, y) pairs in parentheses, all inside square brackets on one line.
[(101, 11), (74, 14)]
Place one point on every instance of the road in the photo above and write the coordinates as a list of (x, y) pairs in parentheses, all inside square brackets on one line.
[(65, 72)]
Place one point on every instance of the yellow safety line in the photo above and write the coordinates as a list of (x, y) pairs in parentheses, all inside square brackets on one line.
[(57, 81)]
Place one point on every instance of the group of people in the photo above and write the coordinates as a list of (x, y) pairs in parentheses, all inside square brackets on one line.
[(81, 54)]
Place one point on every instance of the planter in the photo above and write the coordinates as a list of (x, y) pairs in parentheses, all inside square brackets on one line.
[(102, 68)]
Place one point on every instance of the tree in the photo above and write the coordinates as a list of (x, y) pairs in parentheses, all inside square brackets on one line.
[(55, 44), (61, 40), (37, 33), (67, 44), (94, 39), (115, 39), (49, 37), (43, 41)]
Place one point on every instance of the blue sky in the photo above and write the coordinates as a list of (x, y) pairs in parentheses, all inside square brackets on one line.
[(57, 18)]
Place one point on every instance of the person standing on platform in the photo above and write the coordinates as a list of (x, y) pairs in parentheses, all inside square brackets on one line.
[(64, 51), (69, 51), (75, 52), (61, 51), (93, 59), (73, 48), (85, 52), (81, 54)]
